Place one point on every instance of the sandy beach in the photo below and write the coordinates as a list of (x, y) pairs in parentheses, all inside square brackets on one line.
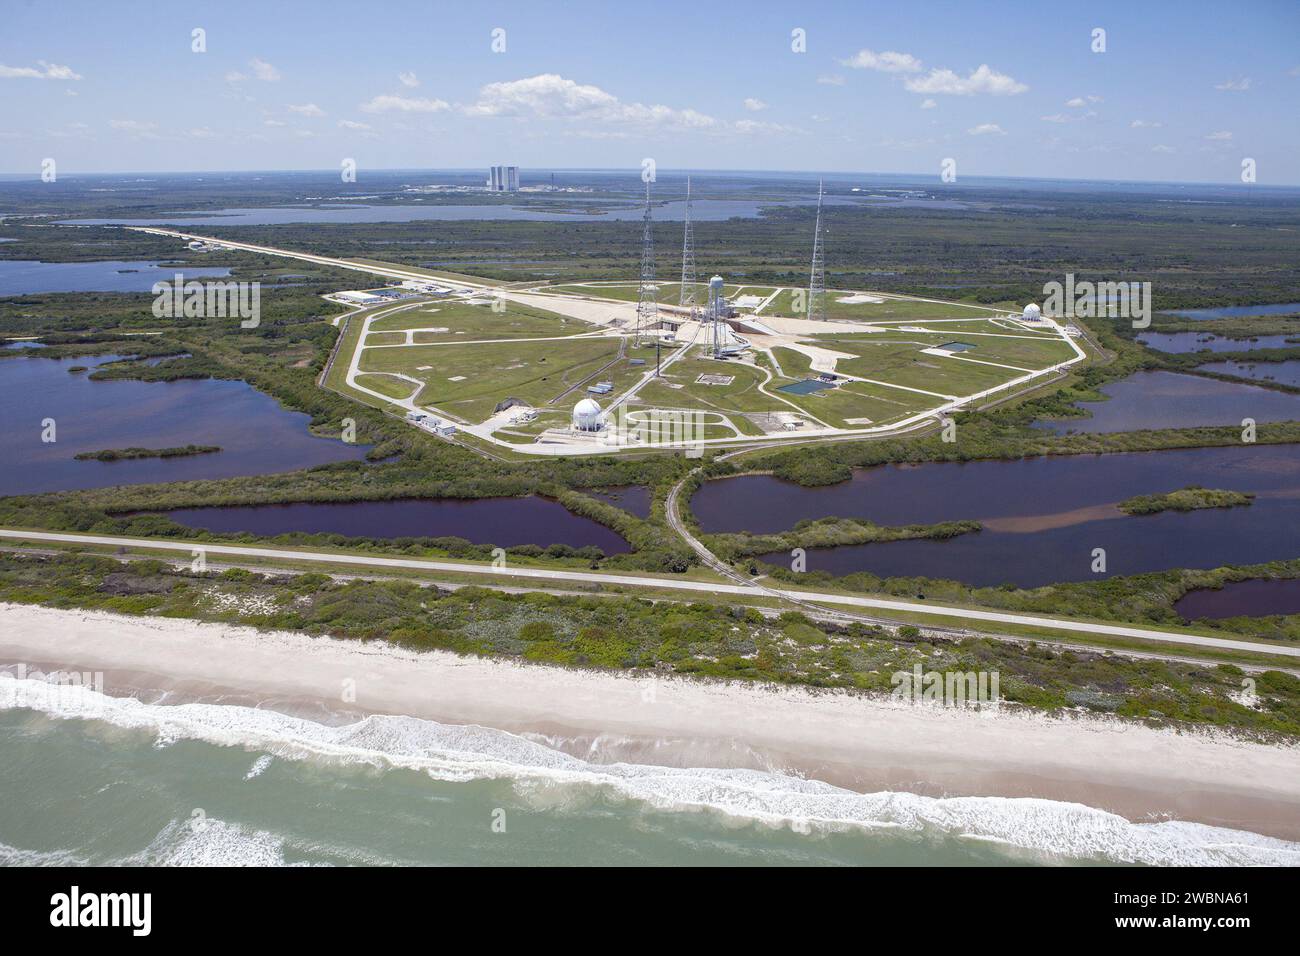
[(864, 744)]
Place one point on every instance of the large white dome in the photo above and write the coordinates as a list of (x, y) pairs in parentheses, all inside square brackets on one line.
[(1032, 313), (586, 415)]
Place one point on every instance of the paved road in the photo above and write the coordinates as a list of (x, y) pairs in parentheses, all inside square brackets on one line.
[(838, 600), (391, 272)]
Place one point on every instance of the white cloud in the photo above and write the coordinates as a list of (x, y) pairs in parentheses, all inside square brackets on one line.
[(201, 132), (307, 109), (890, 143), (45, 71), (272, 122), (830, 79), (353, 124), (1162, 148), (1239, 85), (1145, 124), (928, 104), (1222, 136), (263, 70), (1069, 117), (889, 61), (757, 126), (550, 96), (982, 80), (402, 104), (409, 79), (754, 105), (139, 129), (985, 129), (1078, 102)]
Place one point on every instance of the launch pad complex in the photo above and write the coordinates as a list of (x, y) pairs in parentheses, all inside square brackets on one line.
[(595, 367)]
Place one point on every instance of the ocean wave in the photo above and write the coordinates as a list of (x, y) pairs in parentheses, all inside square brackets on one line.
[(461, 753), (207, 841)]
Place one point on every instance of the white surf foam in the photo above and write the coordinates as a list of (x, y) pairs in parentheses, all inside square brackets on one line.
[(210, 842), (259, 766), (466, 752)]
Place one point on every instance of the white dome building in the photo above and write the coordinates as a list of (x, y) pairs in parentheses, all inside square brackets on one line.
[(1032, 313), (587, 416)]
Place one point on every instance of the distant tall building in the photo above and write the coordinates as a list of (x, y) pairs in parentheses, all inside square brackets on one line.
[(503, 178)]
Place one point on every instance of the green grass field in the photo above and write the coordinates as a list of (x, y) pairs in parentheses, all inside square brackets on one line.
[(388, 385), (535, 372), (464, 321)]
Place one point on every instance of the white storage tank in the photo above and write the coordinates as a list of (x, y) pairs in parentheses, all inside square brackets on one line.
[(587, 416)]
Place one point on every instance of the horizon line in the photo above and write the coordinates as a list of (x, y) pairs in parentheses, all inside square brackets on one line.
[(632, 170)]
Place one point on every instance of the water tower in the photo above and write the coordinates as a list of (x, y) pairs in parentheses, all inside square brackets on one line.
[(717, 308)]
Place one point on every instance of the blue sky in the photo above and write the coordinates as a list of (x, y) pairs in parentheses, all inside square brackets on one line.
[(1183, 92)]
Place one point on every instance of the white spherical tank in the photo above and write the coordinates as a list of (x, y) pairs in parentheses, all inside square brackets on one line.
[(587, 416), (1032, 313)]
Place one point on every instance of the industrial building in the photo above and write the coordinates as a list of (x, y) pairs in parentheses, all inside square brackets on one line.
[(431, 424), (503, 179)]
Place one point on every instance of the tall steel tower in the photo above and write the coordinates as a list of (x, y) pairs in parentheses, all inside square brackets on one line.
[(688, 255), (817, 281), (647, 304)]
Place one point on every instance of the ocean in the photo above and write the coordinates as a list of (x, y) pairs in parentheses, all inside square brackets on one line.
[(96, 780)]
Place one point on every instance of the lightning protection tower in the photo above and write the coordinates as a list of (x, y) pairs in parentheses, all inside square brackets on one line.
[(817, 281), (687, 297), (647, 304)]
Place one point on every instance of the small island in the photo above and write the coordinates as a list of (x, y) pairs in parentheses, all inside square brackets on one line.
[(122, 454), (1191, 498)]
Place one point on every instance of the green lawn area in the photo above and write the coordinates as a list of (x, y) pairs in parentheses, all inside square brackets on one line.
[(742, 395), (859, 400), (464, 321), (1023, 352), (796, 365), (534, 372), (387, 385), (887, 359)]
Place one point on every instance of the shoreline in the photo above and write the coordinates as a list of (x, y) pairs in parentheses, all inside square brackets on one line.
[(860, 743)]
